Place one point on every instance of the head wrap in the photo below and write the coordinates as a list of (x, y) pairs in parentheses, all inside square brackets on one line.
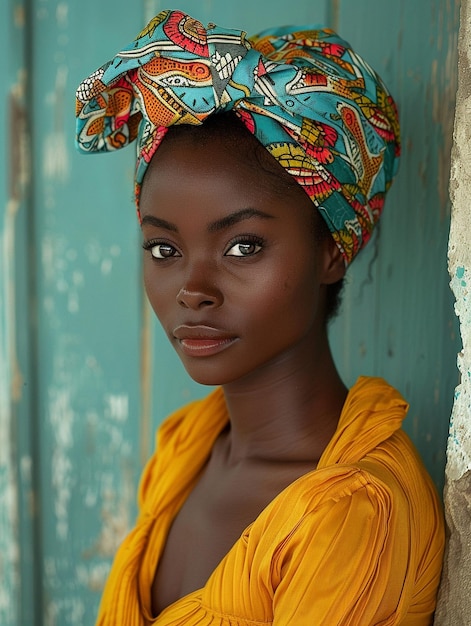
[(311, 101)]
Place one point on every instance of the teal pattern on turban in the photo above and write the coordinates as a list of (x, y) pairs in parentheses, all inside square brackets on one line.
[(312, 102)]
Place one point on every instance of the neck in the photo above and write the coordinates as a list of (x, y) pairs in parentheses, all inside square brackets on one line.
[(288, 410)]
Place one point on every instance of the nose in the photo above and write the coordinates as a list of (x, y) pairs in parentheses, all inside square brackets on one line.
[(199, 294)]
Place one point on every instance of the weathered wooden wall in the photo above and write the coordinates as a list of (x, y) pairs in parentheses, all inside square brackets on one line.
[(398, 321), (85, 374), (19, 565)]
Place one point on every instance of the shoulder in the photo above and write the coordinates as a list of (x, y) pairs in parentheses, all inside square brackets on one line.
[(348, 546), (351, 503), (326, 502)]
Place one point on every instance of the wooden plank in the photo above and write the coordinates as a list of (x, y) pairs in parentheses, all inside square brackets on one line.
[(401, 325), (17, 511), (8, 477), (249, 16), (88, 315)]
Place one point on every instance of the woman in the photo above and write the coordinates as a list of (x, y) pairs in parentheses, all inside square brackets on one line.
[(282, 498)]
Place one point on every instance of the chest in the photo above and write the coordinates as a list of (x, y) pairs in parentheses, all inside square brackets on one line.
[(212, 519)]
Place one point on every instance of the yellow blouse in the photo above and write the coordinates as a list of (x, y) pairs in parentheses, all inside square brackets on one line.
[(358, 541)]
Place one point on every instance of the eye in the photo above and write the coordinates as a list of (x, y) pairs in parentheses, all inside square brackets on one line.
[(243, 247), (160, 250)]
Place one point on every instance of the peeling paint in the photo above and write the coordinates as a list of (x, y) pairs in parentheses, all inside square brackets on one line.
[(19, 152), (10, 376), (117, 407), (56, 156), (19, 17), (106, 266), (61, 417), (459, 256), (69, 610), (62, 14), (58, 264), (454, 604), (93, 576), (116, 506)]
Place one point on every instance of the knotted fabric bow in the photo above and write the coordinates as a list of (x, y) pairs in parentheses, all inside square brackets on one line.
[(314, 104)]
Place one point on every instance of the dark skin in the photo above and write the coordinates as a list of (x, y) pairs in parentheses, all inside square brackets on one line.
[(238, 280)]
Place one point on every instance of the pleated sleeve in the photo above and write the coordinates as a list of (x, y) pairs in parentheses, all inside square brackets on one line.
[(348, 560)]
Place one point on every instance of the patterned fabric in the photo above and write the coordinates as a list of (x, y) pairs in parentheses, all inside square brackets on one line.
[(314, 104)]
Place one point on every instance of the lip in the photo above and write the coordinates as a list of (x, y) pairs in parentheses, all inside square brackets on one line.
[(202, 340)]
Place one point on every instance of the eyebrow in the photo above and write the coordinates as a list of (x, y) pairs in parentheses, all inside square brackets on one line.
[(160, 223), (234, 218), (221, 224)]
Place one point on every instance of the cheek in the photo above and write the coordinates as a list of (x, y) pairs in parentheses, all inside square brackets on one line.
[(288, 296), (149, 284), (158, 293)]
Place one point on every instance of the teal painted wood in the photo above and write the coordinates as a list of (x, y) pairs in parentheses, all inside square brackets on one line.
[(88, 295), (401, 324), (248, 15), (17, 497), (8, 478), (99, 373)]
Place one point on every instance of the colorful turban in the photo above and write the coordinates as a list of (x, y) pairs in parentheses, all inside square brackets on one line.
[(311, 101)]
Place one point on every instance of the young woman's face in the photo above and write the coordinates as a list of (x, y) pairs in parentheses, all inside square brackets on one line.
[(232, 269)]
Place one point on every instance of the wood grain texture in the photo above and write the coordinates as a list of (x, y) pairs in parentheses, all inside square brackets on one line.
[(399, 321)]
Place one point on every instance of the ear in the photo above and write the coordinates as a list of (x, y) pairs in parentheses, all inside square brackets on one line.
[(333, 267)]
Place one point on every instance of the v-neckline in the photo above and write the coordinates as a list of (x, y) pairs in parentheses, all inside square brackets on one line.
[(219, 422)]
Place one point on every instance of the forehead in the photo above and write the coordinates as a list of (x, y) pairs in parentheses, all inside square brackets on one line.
[(191, 185), (221, 148), (198, 178)]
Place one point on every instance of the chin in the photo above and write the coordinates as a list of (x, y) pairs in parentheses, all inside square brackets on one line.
[(214, 372), (211, 377)]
